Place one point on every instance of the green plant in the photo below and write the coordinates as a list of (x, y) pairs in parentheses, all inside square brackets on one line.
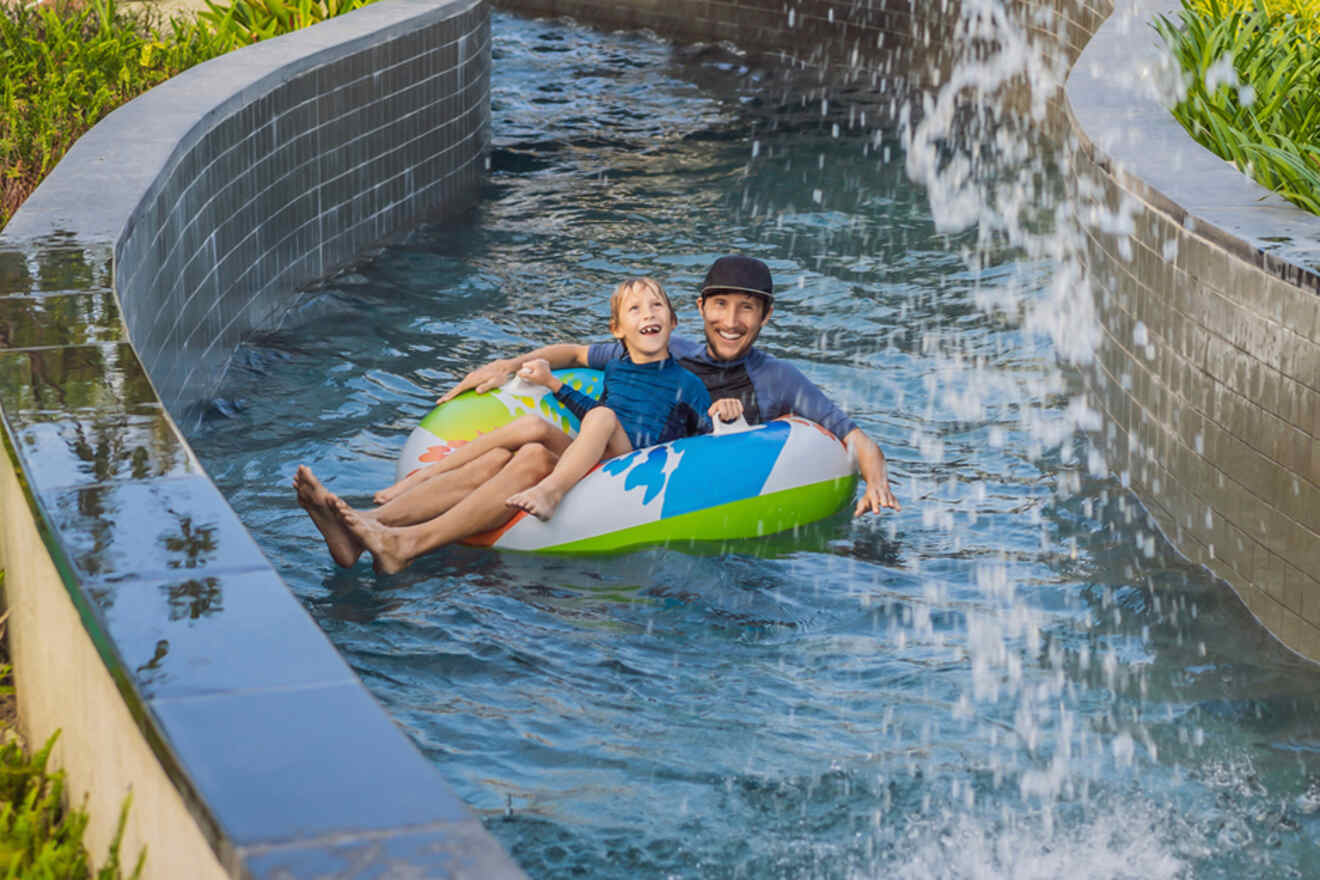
[(63, 67), (241, 22), (38, 839), (65, 64), (1306, 12), (1253, 91)]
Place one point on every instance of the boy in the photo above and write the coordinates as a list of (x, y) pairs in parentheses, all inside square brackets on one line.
[(648, 397), (525, 454)]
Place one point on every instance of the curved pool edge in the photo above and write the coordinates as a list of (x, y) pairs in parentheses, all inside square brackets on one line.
[(1208, 373), (1214, 422), (146, 626), (116, 540)]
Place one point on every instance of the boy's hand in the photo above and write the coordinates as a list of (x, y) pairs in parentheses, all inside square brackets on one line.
[(538, 371), (726, 409)]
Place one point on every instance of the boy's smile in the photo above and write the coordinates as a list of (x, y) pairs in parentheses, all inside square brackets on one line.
[(644, 325)]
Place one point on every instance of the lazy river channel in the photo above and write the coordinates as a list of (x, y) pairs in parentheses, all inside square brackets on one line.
[(1014, 676)]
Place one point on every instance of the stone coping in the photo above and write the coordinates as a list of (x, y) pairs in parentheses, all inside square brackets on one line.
[(1118, 92), (148, 626), (228, 683)]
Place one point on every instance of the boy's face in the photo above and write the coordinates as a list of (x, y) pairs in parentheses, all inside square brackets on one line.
[(644, 325)]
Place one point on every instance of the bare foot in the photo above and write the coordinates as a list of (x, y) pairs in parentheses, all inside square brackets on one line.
[(389, 493), (316, 499), (383, 542), (540, 500)]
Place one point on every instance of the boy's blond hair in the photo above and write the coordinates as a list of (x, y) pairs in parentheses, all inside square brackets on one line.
[(643, 283)]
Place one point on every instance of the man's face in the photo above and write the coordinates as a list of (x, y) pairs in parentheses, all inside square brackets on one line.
[(733, 321)]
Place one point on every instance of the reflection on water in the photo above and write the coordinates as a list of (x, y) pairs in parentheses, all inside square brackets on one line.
[(1014, 676)]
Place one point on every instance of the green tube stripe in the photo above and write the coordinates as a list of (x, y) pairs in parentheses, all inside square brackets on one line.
[(746, 518)]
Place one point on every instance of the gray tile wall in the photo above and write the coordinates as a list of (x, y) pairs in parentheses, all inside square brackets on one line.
[(286, 188), (1217, 425), (1218, 431), (1215, 419)]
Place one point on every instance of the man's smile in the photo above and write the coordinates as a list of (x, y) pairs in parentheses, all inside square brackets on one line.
[(733, 321)]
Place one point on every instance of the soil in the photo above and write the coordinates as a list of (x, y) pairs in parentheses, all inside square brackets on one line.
[(166, 9), (8, 704)]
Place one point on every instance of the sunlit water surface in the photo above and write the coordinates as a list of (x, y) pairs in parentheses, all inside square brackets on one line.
[(1014, 676)]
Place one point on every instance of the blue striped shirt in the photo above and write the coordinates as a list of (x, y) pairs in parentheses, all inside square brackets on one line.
[(655, 403), (767, 386)]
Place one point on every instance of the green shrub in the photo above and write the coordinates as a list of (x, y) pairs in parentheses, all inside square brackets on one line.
[(1253, 91), (38, 839), (241, 22), (1306, 12), (66, 64)]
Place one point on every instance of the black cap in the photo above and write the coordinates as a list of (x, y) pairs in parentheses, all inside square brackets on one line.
[(740, 275)]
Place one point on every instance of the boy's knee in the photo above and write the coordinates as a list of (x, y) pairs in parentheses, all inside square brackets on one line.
[(494, 461), (599, 414)]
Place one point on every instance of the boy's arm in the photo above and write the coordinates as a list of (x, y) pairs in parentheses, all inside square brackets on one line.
[(871, 462), (497, 372), (575, 401)]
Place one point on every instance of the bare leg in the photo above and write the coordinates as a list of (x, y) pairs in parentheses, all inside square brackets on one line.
[(600, 437), (521, 431), (430, 498), (317, 500), (394, 548)]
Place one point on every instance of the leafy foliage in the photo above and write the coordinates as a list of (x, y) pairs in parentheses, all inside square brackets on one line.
[(242, 22), (1253, 89), (38, 839), (65, 64), (1306, 12)]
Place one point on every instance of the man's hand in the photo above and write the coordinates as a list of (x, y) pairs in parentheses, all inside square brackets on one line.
[(871, 462), (726, 409), (483, 379), (496, 373), (876, 496)]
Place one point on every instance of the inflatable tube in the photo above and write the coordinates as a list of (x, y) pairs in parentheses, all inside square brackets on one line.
[(739, 483)]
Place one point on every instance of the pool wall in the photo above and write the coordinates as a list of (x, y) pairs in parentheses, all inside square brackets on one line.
[(149, 628), (145, 624), (1209, 368)]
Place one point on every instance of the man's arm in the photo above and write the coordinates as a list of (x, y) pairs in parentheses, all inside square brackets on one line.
[(871, 462), (497, 372)]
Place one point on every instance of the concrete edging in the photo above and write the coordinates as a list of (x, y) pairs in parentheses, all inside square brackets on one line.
[(267, 169), (148, 626), (1209, 368)]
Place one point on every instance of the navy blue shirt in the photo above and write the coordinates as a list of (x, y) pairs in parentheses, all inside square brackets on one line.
[(767, 386), (655, 402)]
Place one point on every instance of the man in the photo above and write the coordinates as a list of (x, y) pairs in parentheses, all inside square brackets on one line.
[(735, 301)]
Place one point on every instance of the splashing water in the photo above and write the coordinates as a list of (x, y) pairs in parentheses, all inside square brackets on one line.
[(1015, 676)]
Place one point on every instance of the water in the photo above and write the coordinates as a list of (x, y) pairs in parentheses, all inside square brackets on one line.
[(1013, 677)]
